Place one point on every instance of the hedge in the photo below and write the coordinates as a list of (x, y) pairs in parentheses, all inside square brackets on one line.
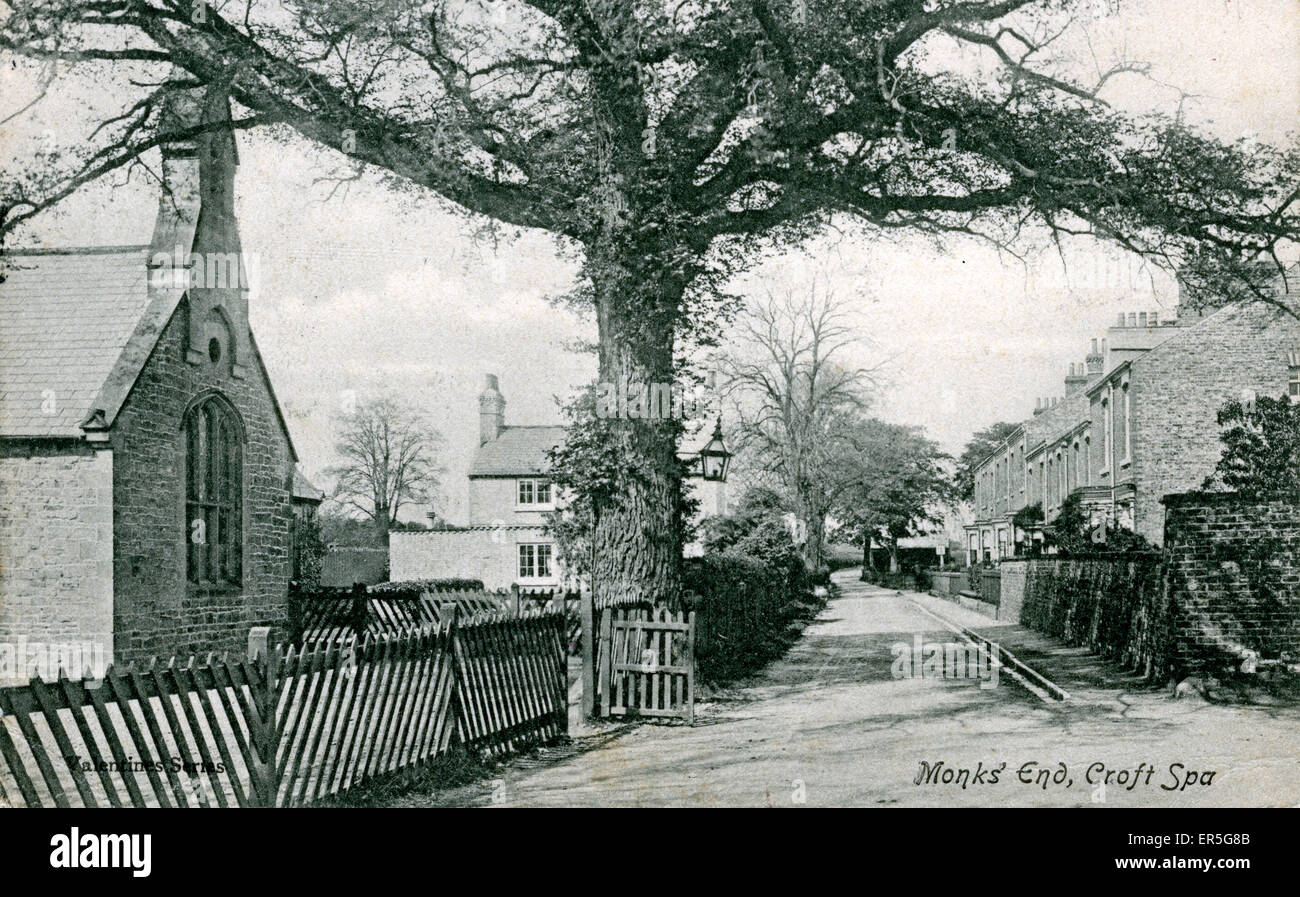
[(414, 588), (747, 612)]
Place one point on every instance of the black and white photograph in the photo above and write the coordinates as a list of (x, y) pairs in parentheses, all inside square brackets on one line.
[(433, 404)]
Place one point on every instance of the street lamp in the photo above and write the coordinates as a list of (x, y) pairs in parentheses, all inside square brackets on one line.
[(714, 457)]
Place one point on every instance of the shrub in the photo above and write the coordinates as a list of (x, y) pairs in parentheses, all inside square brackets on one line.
[(747, 612)]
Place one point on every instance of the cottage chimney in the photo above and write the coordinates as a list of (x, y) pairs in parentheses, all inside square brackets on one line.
[(195, 248), (491, 410)]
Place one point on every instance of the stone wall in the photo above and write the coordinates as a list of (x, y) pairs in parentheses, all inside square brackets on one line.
[(157, 611), (1112, 605), (490, 555), (56, 544), (1233, 573), (1014, 576), (1225, 588)]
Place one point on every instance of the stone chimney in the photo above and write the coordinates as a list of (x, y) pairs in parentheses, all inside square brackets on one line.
[(195, 247), (1077, 379), (491, 410)]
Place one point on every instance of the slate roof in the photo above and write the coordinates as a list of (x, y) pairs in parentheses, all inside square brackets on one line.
[(65, 318), (517, 451), (77, 326), (303, 489)]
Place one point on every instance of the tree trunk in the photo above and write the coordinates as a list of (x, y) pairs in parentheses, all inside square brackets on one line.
[(638, 532), (893, 555), (381, 523), (813, 554)]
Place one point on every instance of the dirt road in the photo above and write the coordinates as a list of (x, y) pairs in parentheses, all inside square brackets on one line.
[(831, 724)]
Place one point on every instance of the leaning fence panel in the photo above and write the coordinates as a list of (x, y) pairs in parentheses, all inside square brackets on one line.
[(297, 727)]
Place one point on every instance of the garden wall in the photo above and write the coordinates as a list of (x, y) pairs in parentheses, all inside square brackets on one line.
[(1233, 572), (1226, 586)]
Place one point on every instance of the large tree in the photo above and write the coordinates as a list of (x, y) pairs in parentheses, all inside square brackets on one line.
[(389, 458), (668, 141), (901, 488), (798, 395)]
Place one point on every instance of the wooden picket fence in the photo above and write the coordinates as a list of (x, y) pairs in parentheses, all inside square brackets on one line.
[(331, 615), (287, 729), (646, 662)]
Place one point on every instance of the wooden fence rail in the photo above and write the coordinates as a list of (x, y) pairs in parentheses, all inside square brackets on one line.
[(284, 730)]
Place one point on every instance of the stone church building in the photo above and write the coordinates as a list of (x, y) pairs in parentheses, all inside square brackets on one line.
[(145, 466)]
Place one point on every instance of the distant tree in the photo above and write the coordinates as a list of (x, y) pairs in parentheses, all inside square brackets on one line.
[(980, 446), (797, 400), (900, 489), (389, 458), (1261, 449)]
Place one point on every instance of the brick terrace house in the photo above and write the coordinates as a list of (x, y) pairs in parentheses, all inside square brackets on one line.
[(145, 465), (505, 542), (1137, 421)]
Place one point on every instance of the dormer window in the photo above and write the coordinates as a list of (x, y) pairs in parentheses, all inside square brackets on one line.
[(534, 493)]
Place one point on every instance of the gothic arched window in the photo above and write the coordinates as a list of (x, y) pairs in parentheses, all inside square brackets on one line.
[(214, 494)]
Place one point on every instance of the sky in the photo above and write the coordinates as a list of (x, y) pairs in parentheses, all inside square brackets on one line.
[(358, 288)]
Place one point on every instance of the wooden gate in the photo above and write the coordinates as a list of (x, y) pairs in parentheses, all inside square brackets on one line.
[(646, 662)]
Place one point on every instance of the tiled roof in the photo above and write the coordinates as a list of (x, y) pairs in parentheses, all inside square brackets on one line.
[(517, 451), (65, 318)]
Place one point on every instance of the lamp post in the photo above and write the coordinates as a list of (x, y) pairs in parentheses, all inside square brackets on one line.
[(714, 458)]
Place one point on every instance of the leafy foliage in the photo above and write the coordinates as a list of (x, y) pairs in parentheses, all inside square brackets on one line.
[(900, 486), (748, 612), (980, 446), (1261, 449), (1073, 533), (1029, 516), (308, 550), (757, 529), (591, 470)]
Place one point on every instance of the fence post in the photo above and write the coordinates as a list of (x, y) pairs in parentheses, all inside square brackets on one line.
[(263, 668), (587, 611), (455, 711), (360, 608)]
